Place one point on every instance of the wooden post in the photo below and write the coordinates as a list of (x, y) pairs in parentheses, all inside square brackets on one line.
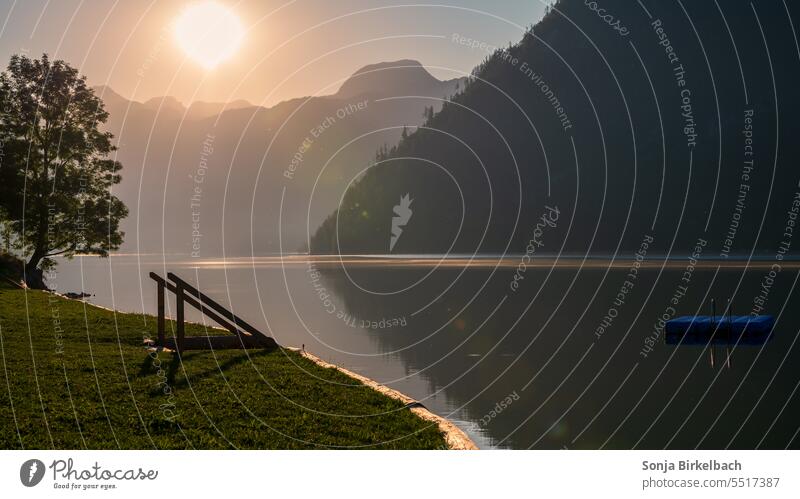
[(161, 321), (728, 340), (713, 331), (179, 320)]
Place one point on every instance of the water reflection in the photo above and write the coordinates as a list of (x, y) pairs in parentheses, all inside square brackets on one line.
[(544, 366)]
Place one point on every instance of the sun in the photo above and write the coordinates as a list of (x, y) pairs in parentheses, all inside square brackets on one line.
[(208, 33)]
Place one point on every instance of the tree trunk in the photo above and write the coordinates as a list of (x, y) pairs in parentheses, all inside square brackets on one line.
[(34, 277)]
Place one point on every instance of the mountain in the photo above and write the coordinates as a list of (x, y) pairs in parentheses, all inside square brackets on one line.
[(664, 121), (199, 109), (196, 110), (397, 78), (212, 177)]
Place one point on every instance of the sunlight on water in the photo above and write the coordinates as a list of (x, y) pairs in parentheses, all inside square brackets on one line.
[(483, 261)]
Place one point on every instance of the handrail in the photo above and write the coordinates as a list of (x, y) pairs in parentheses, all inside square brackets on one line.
[(213, 304), (186, 293), (199, 306)]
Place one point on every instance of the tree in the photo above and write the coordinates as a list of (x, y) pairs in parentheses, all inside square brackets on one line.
[(428, 113), (56, 174)]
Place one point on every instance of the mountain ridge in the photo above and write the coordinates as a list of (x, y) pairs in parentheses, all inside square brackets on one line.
[(168, 180), (654, 149), (420, 79)]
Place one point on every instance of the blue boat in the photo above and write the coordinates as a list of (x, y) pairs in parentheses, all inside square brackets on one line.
[(719, 330)]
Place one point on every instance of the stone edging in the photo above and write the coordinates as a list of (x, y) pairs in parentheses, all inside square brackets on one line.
[(455, 436)]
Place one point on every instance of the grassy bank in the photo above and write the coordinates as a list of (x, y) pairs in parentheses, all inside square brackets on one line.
[(76, 376)]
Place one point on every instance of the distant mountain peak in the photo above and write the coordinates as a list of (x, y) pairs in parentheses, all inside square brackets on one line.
[(163, 103), (402, 63), (106, 92), (168, 105), (393, 78)]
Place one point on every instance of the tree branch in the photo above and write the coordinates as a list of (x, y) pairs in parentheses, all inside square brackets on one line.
[(71, 248)]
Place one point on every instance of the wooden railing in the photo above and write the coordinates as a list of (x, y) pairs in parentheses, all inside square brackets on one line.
[(244, 335)]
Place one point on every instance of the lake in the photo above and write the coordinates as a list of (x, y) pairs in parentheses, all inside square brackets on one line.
[(562, 353)]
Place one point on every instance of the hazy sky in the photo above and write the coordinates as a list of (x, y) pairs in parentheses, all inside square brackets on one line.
[(129, 44)]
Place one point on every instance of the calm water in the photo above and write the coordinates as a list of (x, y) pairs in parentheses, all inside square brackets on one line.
[(561, 360)]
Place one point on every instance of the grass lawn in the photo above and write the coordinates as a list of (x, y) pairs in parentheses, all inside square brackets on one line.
[(76, 376)]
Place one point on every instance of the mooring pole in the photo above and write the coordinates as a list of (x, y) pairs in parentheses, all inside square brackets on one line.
[(728, 337), (713, 331)]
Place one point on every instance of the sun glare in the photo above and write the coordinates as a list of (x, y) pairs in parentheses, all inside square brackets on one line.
[(209, 33)]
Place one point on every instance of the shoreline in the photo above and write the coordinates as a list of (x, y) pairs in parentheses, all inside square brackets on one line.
[(456, 438)]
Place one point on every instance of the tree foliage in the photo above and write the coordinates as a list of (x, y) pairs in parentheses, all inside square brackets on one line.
[(57, 171)]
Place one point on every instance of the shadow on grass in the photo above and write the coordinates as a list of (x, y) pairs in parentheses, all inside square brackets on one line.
[(169, 371)]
